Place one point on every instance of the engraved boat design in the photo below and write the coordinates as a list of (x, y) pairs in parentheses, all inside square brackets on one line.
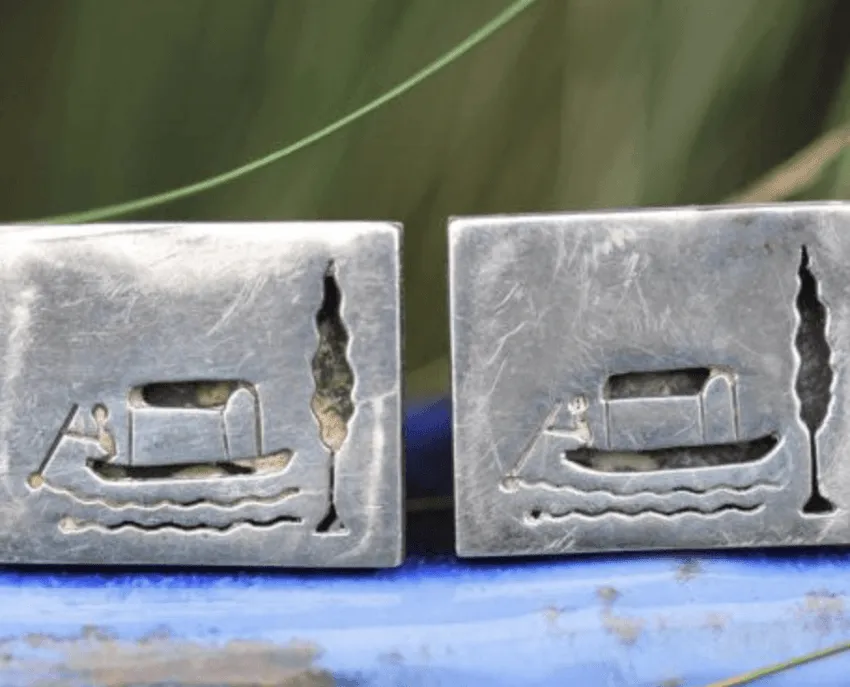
[(192, 431), (665, 427), (660, 430), (177, 455), (647, 423)]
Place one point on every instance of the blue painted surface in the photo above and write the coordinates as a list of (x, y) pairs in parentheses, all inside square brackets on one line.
[(427, 440), (640, 621)]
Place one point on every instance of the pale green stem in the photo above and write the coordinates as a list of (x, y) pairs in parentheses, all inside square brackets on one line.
[(119, 209), (759, 673)]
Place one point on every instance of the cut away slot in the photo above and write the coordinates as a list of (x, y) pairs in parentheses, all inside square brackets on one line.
[(814, 377), (185, 394), (682, 382)]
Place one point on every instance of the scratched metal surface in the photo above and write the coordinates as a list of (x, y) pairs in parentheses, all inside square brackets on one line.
[(633, 620), (708, 343), (201, 394)]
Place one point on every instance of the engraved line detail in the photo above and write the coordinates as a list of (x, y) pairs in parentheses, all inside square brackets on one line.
[(197, 504), (544, 425), (54, 445), (538, 515), (513, 483), (73, 526)]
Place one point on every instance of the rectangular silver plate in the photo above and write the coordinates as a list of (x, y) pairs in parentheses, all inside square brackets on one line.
[(204, 394), (648, 379)]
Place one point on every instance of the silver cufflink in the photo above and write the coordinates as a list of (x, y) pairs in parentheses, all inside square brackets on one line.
[(206, 394), (649, 379)]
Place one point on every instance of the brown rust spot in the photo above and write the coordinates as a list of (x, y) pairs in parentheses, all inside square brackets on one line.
[(823, 611), (625, 628), (94, 632), (97, 659), (157, 634), (37, 639), (608, 595), (688, 570), (825, 602), (552, 613), (672, 682), (716, 622)]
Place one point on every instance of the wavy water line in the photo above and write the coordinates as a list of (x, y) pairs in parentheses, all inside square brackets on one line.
[(72, 526), (716, 513), (551, 486), (118, 505)]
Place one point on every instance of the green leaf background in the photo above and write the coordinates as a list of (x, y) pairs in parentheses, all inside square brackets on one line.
[(576, 104)]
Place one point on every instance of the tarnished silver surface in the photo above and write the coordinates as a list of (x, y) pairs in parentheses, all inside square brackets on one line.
[(206, 394), (651, 379)]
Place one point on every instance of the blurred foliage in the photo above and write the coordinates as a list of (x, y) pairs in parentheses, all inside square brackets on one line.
[(577, 104)]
